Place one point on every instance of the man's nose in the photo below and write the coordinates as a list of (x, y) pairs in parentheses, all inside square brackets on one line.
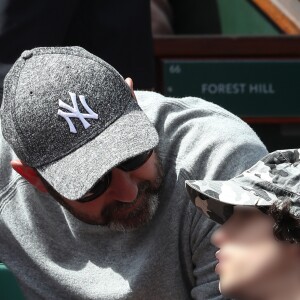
[(123, 187)]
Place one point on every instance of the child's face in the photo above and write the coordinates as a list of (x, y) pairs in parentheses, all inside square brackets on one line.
[(250, 258)]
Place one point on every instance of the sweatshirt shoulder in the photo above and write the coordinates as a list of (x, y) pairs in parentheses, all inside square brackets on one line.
[(152, 102), (192, 129), (193, 113)]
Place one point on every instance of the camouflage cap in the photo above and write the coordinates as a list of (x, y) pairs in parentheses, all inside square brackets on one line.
[(272, 179)]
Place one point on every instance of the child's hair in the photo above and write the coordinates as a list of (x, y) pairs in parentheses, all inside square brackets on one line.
[(287, 225)]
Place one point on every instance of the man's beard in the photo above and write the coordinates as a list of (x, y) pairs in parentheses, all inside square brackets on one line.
[(115, 216), (145, 206)]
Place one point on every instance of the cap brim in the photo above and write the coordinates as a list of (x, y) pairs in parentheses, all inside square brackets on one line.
[(130, 135), (217, 198)]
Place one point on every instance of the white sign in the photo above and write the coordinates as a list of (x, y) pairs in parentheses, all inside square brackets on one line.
[(237, 88)]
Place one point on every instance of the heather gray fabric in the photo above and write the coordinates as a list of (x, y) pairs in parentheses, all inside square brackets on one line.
[(55, 256), (271, 180), (66, 151)]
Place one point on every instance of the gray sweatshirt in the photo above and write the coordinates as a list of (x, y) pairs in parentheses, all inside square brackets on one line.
[(55, 256)]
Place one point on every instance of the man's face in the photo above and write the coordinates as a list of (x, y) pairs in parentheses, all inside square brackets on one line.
[(129, 202), (250, 258)]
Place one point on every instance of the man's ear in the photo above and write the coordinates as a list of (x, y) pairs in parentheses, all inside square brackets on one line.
[(129, 81), (29, 174)]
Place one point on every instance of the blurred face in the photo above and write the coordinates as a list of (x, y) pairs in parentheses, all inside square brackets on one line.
[(250, 258), (129, 202)]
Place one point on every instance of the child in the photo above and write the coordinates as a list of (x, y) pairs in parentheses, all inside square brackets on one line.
[(259, 256)]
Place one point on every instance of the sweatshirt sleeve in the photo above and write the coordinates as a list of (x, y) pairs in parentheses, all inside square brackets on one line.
[(203, 259), (233, 161), (201, 140), (221, 148)]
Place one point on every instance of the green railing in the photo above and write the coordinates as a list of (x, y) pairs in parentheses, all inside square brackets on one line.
[(9, 288)]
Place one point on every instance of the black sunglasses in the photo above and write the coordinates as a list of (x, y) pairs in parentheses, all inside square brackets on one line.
[(102, 185)]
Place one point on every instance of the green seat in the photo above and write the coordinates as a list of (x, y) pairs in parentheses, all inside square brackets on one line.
[(241, 17), (9, 288)]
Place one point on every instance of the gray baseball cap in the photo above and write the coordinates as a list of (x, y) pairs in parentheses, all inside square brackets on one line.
[(271, 180), (71, 116)]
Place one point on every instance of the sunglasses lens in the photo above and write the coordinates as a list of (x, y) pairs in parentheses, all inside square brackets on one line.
[(135, 162), (101, 186), (98, 189)]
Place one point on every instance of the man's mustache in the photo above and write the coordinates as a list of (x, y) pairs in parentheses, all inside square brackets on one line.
[(144, 189)]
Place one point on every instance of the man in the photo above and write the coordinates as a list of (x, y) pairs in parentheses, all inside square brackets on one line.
[(259, 256), (108, 217)]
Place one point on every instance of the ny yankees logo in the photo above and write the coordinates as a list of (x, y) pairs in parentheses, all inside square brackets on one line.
[(75, 113)]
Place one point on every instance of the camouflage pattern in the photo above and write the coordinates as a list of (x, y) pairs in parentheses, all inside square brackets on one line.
[(272, 179)]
